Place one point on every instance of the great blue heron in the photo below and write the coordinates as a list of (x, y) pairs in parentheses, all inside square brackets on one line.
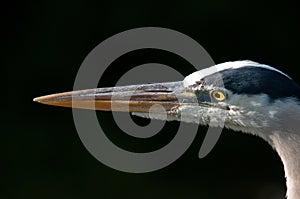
[(247, 96)]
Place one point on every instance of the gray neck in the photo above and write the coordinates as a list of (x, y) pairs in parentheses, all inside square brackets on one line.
[(281, 128), (288, 147), (285, 138)]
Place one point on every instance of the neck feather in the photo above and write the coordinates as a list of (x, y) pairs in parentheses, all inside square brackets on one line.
[(288, 147)]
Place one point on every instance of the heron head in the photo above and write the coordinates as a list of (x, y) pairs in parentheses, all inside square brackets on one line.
[(244, 95), (241, 95)]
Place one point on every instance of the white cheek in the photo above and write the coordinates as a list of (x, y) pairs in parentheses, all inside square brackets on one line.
[(232, 112), (272, 114), (253, 103)]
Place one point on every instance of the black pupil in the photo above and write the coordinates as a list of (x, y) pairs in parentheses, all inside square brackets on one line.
[(217, 95)]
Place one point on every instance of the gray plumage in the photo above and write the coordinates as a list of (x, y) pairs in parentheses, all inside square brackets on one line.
[(260, 100), (243, 96)]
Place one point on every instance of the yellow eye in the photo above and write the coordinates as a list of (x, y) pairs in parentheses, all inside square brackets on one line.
[(218, 95)]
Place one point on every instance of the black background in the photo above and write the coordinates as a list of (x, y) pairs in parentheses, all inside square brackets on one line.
[(44, 44)]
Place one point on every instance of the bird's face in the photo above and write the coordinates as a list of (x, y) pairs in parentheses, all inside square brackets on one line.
[(201, 103), (244, 98)]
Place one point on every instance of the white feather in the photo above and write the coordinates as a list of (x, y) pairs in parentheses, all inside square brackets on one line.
[(198, 75)]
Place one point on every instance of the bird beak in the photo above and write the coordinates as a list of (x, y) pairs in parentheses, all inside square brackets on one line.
[(134, 98)]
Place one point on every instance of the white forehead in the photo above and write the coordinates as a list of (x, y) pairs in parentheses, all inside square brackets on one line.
[(198, 75)]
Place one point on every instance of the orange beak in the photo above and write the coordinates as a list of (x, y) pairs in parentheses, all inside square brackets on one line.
[(134, 98)]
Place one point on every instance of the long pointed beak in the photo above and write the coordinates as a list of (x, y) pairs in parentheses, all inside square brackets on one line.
[(135, 98)]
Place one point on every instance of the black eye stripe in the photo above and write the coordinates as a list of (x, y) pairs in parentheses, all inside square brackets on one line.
[(253, 81)]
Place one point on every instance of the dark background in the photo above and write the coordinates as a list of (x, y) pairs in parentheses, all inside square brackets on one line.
[(44, 44)]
